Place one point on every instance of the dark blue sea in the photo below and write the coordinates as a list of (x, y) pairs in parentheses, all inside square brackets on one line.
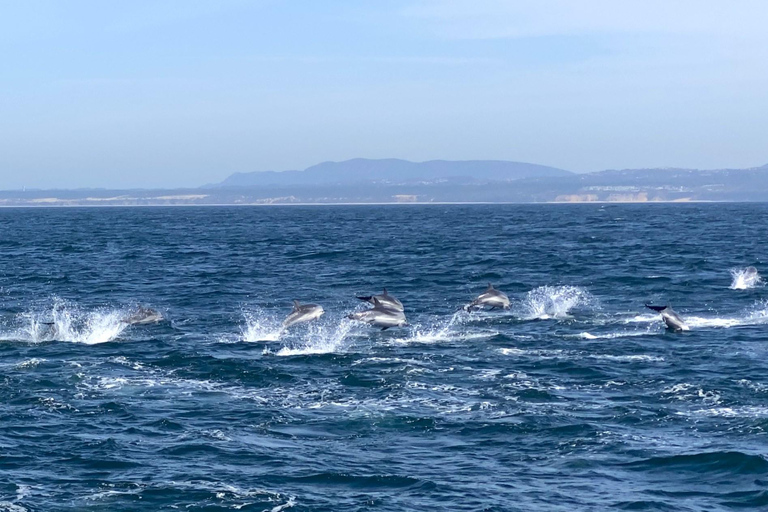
[(576, 398)]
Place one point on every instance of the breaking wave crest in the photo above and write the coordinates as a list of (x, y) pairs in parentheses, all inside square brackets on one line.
[(556, 302), (745, 278)]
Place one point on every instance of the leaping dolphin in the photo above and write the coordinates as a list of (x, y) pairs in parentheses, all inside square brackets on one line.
[(142, 316), (670, 317), (380, 316), (490, 297), (302, 313), (386, 300)]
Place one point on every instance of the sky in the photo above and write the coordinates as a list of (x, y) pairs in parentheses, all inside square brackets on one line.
[(177, 93)]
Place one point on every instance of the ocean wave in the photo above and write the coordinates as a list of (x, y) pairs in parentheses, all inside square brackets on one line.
[(736, 463)]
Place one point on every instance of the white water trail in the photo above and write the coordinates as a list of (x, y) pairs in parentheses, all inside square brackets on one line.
[(546, 302), (745, 278), (756, 315), (449, 330)]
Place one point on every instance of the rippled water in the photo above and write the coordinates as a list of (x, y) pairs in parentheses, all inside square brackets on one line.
[(574, 399)]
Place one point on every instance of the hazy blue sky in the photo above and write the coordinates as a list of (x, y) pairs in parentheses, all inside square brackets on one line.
[(185, 92)]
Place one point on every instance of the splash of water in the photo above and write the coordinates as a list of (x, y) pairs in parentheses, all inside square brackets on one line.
[(320, 339), (261, 327), (67, 322), (548, 302), (745, 278)]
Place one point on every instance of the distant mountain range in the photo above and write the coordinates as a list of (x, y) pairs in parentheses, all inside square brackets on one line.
[(399, 181), (394, 171)]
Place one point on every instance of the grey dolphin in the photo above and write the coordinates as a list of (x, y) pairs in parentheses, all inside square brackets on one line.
[(490, 297), (380, 316), (386, 300), (302, 313), (670, 317), (142, 316)]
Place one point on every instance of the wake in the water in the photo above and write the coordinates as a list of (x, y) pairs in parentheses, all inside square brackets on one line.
[(756, 315), (745, 278), (452, 329)]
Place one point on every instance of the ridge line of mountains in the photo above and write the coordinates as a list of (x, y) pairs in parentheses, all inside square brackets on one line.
[(401, 181)]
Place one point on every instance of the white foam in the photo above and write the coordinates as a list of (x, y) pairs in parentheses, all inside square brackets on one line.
[(548, 302), (446, 331), (612, 335), (634, 357), (745, 278), (745, 411)]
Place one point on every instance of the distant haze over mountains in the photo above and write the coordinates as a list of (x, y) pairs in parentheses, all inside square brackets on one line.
[(391, 170), (399, 181)]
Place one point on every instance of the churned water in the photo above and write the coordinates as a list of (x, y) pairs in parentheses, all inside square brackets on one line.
[(574, 399)]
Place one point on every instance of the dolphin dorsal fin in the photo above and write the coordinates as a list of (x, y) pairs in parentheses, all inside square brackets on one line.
[(490, 286), (296, 305), (376, 302), (385, 294)]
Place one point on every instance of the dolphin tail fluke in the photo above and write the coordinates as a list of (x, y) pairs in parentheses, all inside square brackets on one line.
[(384, 328), (656, 308)]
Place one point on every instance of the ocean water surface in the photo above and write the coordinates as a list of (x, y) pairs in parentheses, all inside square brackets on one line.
[(576, 398)]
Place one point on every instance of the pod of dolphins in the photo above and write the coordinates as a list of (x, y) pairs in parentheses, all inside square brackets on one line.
[(388, 311)]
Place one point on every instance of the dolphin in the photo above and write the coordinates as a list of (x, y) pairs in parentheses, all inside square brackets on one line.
[(380, 316), (490, 297), (302, 313), (671, 319), (386, 300), (142, 316)]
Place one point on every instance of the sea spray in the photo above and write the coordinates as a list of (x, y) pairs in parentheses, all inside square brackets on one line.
[(319, 339), (547, 302), (259, 326), (745, 278), (68, 322)]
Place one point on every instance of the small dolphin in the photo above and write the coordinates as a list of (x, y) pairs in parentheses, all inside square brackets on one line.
[(490, 297), (380, 316), (143, 316), (386, 300), (671, 319), (302, 313)]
